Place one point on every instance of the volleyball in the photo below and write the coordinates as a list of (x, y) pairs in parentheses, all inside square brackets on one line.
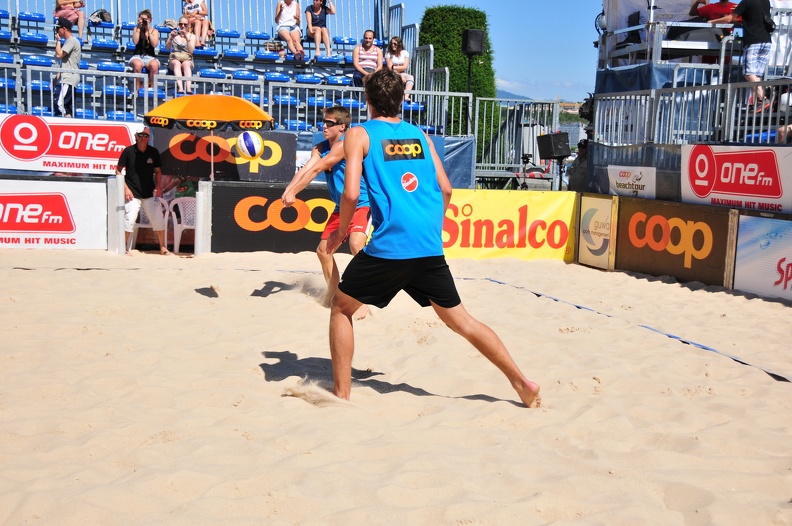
[(250, 144)]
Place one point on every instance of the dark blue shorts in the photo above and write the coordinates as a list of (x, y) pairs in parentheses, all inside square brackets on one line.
[(376, 281)]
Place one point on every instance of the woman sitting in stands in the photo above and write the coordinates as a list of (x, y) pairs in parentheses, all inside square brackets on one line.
[(197, 13), (181, 44), (71, 11), (287, 16), (398, 60), (316, 16)]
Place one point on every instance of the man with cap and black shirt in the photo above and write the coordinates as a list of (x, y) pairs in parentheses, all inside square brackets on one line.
[(69, 54)]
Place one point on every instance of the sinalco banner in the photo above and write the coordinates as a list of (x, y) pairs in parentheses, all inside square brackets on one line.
[(763, 264)]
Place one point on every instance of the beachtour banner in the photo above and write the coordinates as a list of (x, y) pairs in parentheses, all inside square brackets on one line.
[(597, 237), (481, 224), (59, 213), (763, 263), (742, 177), (633, 181), (76, 146)]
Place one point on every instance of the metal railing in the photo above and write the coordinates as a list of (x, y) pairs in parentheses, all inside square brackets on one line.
[(725, 113)]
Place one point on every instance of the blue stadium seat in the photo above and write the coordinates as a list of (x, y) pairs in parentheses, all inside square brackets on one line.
[(286, 100), (105, 44), (308, 79), (205, 52), (7, 83), (31, 18), (35, 39), (37, 60), (211, 73), (319, 102), (276, 76), (128, 26), (83, 88), (120, 116), (40, 85), (118, 67), (41, 111), (6, 58), (338, 80), (8, 108), (345, 41), (256, 98), (257, 35), (101, 25), (262, 54), (244, 74), (296, 125), (81, 113), (151, 93), (84, 64), (4, 14), (235, 53), (431, 130), (5, 35), (413, 106), (116, 91), (335, 59), (352, 104)]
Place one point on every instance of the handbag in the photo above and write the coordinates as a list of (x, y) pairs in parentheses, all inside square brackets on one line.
[(769, 24), (181, 56)]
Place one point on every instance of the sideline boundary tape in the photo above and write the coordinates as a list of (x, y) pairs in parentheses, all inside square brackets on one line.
[(774, 376)]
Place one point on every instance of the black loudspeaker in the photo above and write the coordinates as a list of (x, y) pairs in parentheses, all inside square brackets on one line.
[(553, 146), (473, 42)]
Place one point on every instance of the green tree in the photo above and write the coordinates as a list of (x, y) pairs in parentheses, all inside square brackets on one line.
[(442, 27)]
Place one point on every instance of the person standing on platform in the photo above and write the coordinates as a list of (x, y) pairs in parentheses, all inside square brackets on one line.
[(146, 38), (409, 192), (69, 54), (142, 186), (756, 44), (328, 157)]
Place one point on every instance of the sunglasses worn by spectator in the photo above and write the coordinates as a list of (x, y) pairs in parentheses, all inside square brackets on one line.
[(183, 25), (330, 124), (143, 135)]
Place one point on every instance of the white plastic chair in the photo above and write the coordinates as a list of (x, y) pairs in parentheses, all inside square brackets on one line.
[(182, 214), (144, 222)]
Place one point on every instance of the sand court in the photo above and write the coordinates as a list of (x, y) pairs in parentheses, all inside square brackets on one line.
[(178, 390)]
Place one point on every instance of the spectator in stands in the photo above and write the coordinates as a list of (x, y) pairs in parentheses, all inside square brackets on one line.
[(146, 38), (71, 11), (398, 60), (579, 169), (142, 186), (181, 44), (69, 54), (197, 13), (712, 11), (287, 16), (756, 43), (366, 57), (316, 16)]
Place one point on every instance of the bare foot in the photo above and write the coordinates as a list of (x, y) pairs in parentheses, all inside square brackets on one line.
[(165, 252), (528, 392)]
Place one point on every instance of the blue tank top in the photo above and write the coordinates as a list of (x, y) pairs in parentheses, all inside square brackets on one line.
[(335, 179), (406, 202)]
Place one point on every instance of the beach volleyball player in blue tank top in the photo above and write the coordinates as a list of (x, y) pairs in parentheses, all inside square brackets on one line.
[(409, 192)]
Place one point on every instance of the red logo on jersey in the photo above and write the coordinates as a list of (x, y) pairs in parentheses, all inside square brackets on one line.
[(409, 182)]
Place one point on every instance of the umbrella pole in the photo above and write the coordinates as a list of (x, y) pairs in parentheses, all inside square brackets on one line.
[(211, 174)]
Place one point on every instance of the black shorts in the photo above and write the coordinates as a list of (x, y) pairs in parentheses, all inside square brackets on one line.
[(375, 281)]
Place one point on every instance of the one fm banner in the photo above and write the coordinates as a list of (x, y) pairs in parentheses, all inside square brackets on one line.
[(28, 142), (763, 264), (526, 225), (743, 177), (632, 181), (186, 154), (61, 213)]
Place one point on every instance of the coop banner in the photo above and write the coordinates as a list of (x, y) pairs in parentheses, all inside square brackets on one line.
[(186, 154), (74, 146), (519, 224), (742, 177)]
